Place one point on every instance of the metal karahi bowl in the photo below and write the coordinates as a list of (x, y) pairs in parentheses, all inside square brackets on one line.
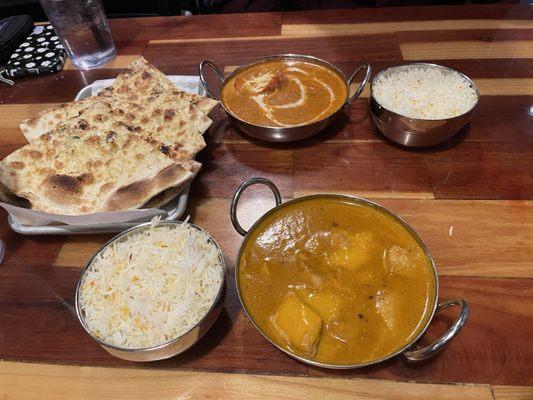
[(407, 350), (415, 132), (177, 345), (290, 133)]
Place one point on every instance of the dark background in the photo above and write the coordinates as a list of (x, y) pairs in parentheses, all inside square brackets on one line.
[(117, 9)]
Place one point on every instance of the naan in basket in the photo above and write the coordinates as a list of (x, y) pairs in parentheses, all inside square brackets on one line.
[(138, 84), (143, 79), (71, 173), (162, 121)]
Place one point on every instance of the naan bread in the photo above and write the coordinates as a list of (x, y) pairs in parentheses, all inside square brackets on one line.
[(162, 121), (7, 196), (164, 197), (71, 174), (143, 78), (47, 120), (140, 82), (131, 145)]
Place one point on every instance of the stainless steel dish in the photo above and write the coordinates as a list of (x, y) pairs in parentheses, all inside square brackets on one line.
[(175, 346), (410, 354), (414, 132), (292, 133)]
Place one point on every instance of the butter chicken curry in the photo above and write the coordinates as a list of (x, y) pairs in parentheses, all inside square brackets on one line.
[(284, 93), (336, 281)]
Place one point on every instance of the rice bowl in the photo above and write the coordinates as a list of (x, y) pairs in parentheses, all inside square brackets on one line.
[(424, 91), (413, 115), (152, 291)]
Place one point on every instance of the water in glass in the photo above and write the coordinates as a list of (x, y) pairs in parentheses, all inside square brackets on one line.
[(83, 28)]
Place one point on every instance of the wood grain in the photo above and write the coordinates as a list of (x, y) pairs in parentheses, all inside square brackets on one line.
[(481, 170), (55, 88), (202, 26), (413, 13), (321, 30), (452, 231), (478, 35), (77, 250), (227, 165), (120, 61), (13, 115), (512, 392), (505, 87), (467, 49), (505, 248), (36, 381), (361, 167), (375, 47)]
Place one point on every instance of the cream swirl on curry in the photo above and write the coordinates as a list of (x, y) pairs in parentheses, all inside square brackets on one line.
[(284, 93)]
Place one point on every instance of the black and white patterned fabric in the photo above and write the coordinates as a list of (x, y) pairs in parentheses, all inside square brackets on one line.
[(41, 53)]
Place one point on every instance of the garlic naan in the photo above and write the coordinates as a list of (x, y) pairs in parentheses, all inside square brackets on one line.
[(71, 173)]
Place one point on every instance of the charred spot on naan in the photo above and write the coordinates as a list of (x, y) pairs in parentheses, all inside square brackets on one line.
[(83, 124), (7, 196), (169, 115), (35, 154), (62, 189), (17, 164), (140, 192)]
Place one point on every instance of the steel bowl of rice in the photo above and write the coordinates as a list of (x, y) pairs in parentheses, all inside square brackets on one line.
[(421, 104), (152, 291)]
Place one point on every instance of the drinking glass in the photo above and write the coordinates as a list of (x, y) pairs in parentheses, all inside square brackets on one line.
[(83, 29)]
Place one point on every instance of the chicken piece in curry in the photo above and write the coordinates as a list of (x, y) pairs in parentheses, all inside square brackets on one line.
[(284, 93), (336, 281)]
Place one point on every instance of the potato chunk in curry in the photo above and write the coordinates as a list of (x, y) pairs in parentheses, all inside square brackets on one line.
[(297, 325)]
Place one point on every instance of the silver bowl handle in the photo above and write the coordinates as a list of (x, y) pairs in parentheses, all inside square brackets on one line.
[(239, 192), (359, 90), (201, 73), (440, 343)]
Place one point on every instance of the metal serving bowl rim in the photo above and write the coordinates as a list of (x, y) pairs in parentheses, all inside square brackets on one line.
[(432, 65), (260, 60), (130, 231), (352, 199)]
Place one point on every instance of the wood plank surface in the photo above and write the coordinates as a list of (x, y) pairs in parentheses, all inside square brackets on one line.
[(120, 61), (504, 249), (375, 47), (496, 332), (512, 392), (467, 50), (469, 198), (361, 167), (40, 381), (202, 26), (323, 29), (413, 13), (482, 170)]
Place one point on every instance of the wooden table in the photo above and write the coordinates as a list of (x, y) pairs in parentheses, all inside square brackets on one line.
[(470, 199)]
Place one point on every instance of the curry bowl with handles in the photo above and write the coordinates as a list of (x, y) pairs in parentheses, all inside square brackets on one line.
[(287, 133), (406, 345)]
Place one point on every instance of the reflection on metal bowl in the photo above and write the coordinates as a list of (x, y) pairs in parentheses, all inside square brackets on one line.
[(415, 132), (289, 133), (405, 346), (174, 346)]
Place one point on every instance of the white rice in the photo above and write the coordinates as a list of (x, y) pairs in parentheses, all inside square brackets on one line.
[(151, 288), (424, 92)]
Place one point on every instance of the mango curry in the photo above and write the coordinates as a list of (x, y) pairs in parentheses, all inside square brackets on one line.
[(336, 281), (284, 93)]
